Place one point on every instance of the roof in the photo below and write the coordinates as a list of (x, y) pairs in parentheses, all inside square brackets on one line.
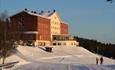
[(42, 14), (34, 13)]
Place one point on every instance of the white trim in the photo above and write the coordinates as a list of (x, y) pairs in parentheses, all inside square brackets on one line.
[(30, 32)]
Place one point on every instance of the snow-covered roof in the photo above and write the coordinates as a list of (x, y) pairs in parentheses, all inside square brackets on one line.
[(42, 14), (37, 14), (46, 15)]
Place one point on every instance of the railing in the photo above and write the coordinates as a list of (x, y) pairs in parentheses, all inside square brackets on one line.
[(8, 65)]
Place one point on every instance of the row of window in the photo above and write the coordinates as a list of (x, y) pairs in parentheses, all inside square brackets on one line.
[(59, 44), (56, 28), (64, 44), (56, 23), (54, 32)]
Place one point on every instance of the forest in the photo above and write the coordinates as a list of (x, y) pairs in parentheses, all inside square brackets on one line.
[(104, 49)]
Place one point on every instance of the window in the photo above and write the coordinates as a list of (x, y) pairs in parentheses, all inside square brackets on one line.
[(54, 38), (59, 43), (74, 43), (64, 43), (71, 43), (54, 43)]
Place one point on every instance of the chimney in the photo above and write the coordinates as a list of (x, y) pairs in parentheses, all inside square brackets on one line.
[(48, 11), (35, 12), (32, 11), (26, 9), (42, 12), (54, 10)]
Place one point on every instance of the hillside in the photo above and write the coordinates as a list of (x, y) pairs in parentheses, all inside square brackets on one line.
[(65, 58)]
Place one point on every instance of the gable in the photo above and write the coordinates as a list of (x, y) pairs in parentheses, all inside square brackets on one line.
[(55, 17)]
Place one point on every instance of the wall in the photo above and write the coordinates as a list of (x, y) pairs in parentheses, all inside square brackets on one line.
[(55, 24), (64, 28), (43, 28), (23, 22)]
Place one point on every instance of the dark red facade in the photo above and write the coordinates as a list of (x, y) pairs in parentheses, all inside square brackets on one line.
[(43, 28), (64, 28), (26, 26)]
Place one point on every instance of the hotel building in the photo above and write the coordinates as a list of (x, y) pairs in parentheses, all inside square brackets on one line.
[(42, 29)]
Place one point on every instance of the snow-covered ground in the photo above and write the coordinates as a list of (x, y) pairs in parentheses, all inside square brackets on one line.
[(61, 58)]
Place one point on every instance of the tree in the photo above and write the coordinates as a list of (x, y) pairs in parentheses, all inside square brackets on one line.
[(6, 43), (3, 16), (94, 46)]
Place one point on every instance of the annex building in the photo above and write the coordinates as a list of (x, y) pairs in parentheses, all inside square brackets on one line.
[(41, 29)]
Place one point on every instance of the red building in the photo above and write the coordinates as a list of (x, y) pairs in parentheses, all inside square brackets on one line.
[(37, 28), (29, 26), (64, 28)]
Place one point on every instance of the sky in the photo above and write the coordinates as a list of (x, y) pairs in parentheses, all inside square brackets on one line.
[(92, 19)]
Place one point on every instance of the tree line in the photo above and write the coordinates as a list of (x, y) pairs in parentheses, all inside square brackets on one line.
[(105, 49)]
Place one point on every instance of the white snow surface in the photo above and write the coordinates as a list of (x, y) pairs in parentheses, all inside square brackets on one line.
[(61, 58)]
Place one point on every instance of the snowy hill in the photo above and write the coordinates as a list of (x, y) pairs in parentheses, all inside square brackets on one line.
[(62, 58)]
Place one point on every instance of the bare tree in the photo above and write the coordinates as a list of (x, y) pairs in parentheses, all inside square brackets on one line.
[(6, 43), (3, 16)]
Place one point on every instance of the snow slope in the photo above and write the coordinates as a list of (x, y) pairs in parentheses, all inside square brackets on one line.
[(62, 58)]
